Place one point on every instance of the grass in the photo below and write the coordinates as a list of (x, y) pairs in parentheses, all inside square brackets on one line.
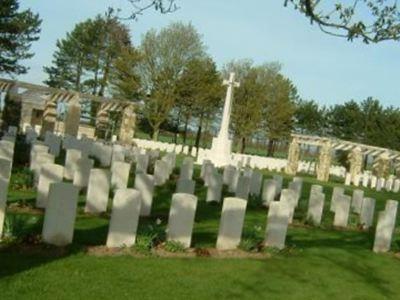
[(318, 263)]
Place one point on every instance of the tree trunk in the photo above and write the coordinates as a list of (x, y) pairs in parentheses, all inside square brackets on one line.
[(270, 151), (185, 130), (156, 131), (243, 144), (198, 134)]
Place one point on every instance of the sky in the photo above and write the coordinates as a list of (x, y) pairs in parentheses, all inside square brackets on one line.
[(324, 68)]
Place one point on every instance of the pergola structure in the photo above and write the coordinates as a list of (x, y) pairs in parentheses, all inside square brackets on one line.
[(356, 152), (38, 104)]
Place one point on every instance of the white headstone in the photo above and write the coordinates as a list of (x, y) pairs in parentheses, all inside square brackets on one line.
[(181, 218), (144, 183), (277, 224), (316, 207), (120, 174), (209, 169), (374, 181), (49, 173), (243, 188), (396, 186), (71, 161), (36, 148), (296, 186), (82, 172), (234, 182), (389, 184), (186, 171), (104, 154), (7, 150), (380, 184), (385, 227), (255, 183), (5, 169), (3, 203), (347, 180), (59, 218), (337, 191), (160, 172), (269, 192), (365, 180), (367, 213), (118, 153), (229, 173), (142, 163), (357, 201), (342, 211), (231, 224), (289, 197), (185, 186), (124, 218), (98, 191), (214, 191)]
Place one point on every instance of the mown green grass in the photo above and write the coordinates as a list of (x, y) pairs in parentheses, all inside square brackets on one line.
[(319, 263)]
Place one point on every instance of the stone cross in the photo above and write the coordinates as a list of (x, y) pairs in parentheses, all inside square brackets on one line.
[(224, 131)]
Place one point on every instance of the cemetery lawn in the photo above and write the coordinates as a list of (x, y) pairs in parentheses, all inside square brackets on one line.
[(319, 263)]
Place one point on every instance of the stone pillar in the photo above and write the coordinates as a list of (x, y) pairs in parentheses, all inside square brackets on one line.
[(49, 117), (324, 164), (102, 121), (73, 117), (293, 157), (128, 122), (355, 159), (381, 167)]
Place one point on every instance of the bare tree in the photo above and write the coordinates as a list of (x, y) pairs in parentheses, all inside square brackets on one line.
[(372, 21)]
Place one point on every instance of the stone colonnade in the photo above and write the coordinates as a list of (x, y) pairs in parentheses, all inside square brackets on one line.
[(47, 103), (382, 157)]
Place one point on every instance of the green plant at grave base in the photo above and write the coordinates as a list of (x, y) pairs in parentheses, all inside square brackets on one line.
[(21, 179), (149, 238), (18, 228), (174, 246), (252, 239)]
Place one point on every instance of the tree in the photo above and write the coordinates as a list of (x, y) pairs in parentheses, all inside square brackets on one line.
[(165, 55), (279, 109), (199, 94), (125, 79), (370, 20), (139, 6), (309, 118), (373, 120), (345, 121), (18, 29), (84, 59)]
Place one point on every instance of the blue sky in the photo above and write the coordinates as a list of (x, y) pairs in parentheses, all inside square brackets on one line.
[(324, 68)]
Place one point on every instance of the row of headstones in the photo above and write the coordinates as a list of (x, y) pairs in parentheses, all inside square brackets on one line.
[(391, 184), (79, 168), (61, 211), (101, 180), (250, 181)]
